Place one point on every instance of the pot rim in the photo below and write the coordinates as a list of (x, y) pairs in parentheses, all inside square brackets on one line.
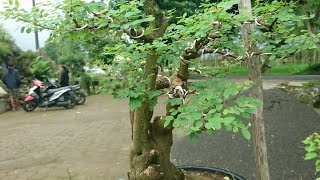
[(213, 170)]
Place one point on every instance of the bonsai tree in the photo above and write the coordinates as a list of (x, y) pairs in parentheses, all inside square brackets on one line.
[(150, 39)]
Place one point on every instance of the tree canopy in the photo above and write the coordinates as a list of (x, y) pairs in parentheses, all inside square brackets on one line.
[(7, 44)]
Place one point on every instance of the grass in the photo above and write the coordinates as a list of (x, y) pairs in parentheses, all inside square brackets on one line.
[(274, 71)]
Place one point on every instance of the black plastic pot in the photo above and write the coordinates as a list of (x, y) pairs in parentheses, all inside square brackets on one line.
[(213, 170)]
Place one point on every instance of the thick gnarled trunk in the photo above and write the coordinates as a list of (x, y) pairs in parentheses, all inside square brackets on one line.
[(150, 152)]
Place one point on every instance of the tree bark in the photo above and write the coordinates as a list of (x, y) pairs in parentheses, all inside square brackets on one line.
[(260, 148), (150, 151)]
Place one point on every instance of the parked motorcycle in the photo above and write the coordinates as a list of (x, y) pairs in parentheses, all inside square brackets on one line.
[(80, 95), (60, 97)]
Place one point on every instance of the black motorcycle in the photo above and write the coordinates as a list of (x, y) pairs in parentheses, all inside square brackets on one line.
[(80, 95)]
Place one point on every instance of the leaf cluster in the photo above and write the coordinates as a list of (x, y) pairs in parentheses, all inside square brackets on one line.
[(312, 147), (219, 104)]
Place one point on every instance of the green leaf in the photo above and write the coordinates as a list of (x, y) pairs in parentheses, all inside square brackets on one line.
[(135, 103), (235, 129), (153, 103), (228, 127), (28, 30), (193, 136), (196, 116), (273, 57), (176, 123), (133, 94), (175, 101), (228, 4), (137, 22), (174, 112), (228, 120), (219, 107), (193, 128), (256, 103), (310, 148), (208, 125), (22, 29), (251, 110), (17, 3), (166, 123), (312, 16), (212, 111), (210, 131), (167, 120), (199, 124), (153, 94), (317, 169), (217, 126), (246, 133), (310, 155), (246, 115)]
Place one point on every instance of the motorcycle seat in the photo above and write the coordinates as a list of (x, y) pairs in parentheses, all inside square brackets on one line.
[(51, 91)]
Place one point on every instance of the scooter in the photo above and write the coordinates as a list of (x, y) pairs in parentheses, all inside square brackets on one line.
[(80, 95), (61, 97)]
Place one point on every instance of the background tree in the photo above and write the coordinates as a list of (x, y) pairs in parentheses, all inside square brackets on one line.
[(68, 53), (7, 47), (97, 47)]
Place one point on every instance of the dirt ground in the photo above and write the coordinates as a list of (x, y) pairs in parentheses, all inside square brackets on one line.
[(92, 142), (88, 142)]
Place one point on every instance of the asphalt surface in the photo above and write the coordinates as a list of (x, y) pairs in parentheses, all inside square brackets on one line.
[(288, 122), (284, 78), (273, 78)]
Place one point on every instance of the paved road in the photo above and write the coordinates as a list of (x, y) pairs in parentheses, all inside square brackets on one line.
[(269, 82), (288, 122), (90, 141), (285, 78)]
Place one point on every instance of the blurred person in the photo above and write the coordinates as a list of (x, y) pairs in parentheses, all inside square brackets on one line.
[(11, 78), (64, 76)]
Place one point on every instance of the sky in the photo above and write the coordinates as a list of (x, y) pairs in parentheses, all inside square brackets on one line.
[(26, 41)]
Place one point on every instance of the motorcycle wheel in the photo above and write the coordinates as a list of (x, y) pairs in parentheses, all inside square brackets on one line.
[(71, 102), (30, 105), (80, 98)]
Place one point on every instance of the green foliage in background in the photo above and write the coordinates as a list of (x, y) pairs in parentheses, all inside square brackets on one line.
[(7, 44), (67, 52), (41, 69)]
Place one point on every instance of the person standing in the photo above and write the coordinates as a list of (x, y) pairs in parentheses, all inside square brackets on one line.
[(64, 76), (11, 78)]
